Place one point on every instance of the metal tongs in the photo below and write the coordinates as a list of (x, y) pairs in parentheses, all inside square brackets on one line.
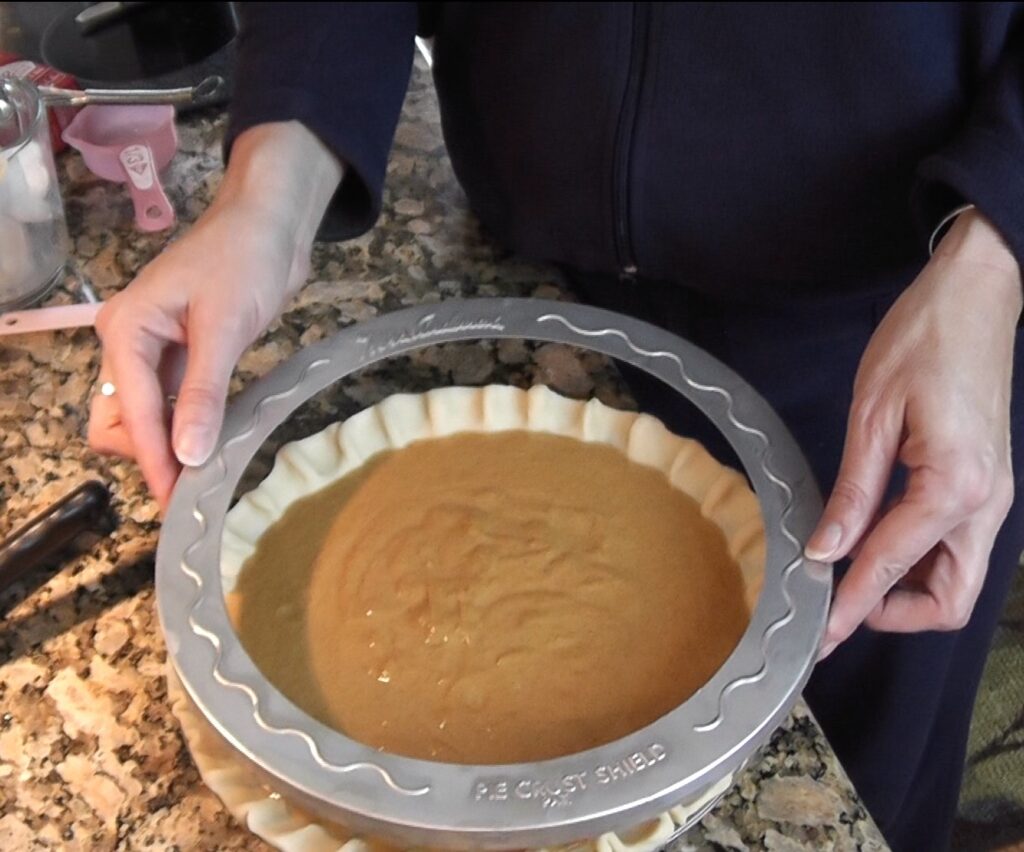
[(204, 92)]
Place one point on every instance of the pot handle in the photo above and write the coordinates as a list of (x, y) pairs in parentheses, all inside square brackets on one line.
[(206, 91)]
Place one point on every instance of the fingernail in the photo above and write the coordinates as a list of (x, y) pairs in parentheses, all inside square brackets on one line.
[(824, 542), (193, 446), (827, 649)]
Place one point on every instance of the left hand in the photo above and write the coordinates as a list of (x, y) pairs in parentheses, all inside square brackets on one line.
[(933, 392)]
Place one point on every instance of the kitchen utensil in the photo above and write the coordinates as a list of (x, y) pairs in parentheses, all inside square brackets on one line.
[(130, 144), (48, 319), (31, 545), (33, 234), (678, 758), (205, 91)]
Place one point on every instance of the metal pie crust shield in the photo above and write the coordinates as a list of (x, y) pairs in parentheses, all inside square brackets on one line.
[(281, 823), (689, 755)]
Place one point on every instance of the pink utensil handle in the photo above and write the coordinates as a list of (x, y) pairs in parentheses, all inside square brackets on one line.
[(153, 211), (48, 319)]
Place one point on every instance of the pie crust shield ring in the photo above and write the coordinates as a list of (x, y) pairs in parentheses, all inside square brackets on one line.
[(677, 758)]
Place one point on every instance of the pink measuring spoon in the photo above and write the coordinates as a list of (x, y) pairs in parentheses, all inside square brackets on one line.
[(130, 144)]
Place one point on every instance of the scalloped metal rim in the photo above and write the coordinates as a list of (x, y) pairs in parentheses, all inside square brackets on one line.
[(582, 795)]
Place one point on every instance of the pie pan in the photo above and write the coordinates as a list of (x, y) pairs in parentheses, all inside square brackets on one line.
[(681, 757)]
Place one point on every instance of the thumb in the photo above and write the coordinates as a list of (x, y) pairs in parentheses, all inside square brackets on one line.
[(199, 411), (869, 454)]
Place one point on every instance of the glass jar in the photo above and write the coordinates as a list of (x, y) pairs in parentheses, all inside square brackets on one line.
[(33, 232)]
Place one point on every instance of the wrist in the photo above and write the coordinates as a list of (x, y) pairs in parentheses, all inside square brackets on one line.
[(285, 175), (973, 244)]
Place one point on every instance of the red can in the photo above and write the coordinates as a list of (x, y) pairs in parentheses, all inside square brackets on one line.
[(13, 66)]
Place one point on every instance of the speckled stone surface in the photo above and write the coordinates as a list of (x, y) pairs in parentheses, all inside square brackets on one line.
[(90, 756)]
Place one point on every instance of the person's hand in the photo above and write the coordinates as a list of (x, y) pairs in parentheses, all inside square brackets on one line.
[(932, 392), (180, 327), (194, 310)]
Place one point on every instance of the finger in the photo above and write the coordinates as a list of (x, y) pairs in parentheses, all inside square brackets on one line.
[(133, 359), (872, 442), (901, 539), (946, 583), (858, 545), (199, 411), (172, 369), (107, 433), (917, 606)]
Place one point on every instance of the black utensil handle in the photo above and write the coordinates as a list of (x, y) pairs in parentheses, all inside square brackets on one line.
[(101, 15), (51, 530)]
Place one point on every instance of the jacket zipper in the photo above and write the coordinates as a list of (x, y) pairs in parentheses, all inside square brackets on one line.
[(624, 134)]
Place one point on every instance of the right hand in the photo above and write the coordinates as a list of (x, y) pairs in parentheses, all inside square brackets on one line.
[(180, 327)]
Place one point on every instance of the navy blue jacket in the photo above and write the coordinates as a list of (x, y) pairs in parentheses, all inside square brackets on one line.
[(745, 149)]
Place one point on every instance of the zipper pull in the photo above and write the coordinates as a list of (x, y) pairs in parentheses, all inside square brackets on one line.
[(628, 273)]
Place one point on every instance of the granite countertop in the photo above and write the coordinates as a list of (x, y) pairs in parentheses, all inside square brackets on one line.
[(90, 755)]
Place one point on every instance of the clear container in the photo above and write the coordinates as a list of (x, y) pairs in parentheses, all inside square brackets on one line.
[(33, 232)]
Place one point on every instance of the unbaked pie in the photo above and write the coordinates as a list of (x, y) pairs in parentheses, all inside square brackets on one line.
[(491, 575)]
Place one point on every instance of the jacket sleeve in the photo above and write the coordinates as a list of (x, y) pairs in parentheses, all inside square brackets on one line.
[(983, 164), (341, 69)]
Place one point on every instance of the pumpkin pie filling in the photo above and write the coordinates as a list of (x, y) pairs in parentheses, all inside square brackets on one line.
[(491, 597)]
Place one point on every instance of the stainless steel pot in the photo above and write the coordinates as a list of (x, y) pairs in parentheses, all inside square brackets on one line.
[(676, 759)]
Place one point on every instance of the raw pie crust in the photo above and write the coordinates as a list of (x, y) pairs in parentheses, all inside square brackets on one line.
[(306, 466)]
